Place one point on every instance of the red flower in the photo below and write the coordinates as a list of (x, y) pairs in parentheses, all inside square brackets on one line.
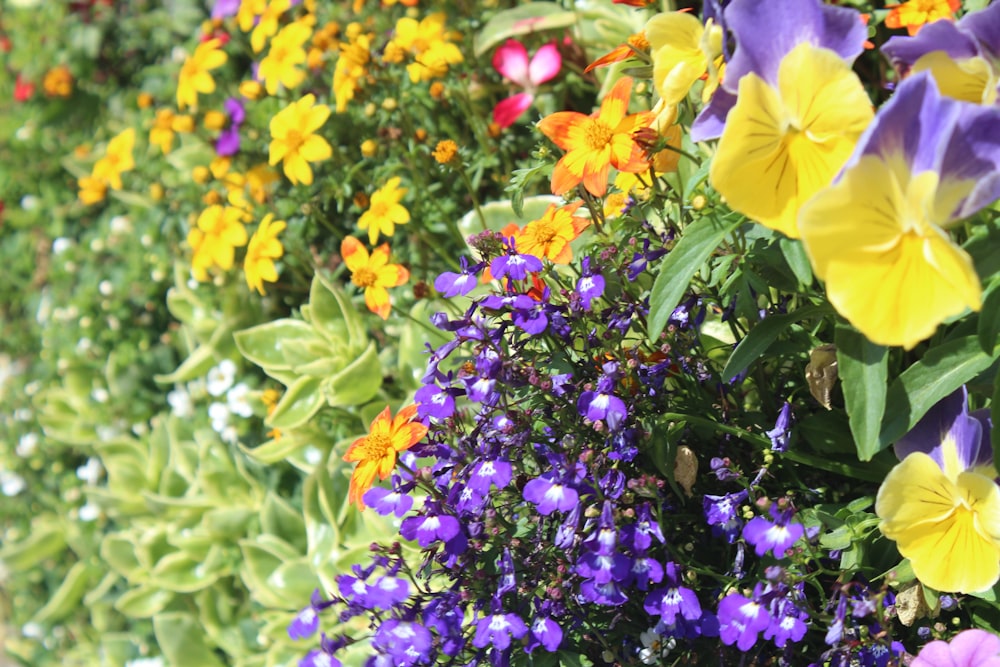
[(23, 90)]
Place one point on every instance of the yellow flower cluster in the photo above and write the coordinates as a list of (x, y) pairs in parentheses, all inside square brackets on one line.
[(108, 170), (430, 46)]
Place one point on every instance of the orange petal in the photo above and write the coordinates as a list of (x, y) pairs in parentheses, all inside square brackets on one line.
[(354, 253), (615, 55), (557, 127)]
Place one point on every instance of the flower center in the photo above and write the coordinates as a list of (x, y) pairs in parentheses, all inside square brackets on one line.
[(379, 209), (377, 446), (294, 139), (598, 134), (363, 277)]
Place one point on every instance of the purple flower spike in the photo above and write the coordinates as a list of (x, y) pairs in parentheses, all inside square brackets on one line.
[(496, 630), (775, 537), (454, 284), (305, 624), (550, 496), (407, 642), (545, 633), (741, 620), (386, 502), (781, 432), (427, 530), (951, 436)]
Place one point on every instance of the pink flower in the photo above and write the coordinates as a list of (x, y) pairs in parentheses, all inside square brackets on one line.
[(511, 60), (970, 648)]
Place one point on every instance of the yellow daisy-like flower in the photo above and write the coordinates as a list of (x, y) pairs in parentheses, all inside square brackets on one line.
[(162, 132), (376, 452), (267, 23), (280, 66), (263, 249), (782, 145), (384, 211), (195, 74), (594, 144), (92, 190), (550, 236), (434, 62), (373, 273), (294, 141), (351, 67), (117, 159), (947, 525), (219, 231)]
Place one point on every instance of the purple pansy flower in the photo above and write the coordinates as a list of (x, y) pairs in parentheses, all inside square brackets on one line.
[(590, 286), (673, 600), (513, 265), (964, 57), (789, 23), (546, 633), (949, 434), (969, 648), (407, 642)]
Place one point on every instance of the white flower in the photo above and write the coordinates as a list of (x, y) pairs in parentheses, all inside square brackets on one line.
[(181, 404), (229, 435), (219, 414), (27, 445), (145, 662), (29, 202), (120, 225), (655, 647), (238, 400), (100, 394), (90, 472), (89, 512), (32, 630), (221, 377), (61, 245), (11, 483), (106, 287)]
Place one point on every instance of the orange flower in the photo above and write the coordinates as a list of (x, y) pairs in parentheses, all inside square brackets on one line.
[(595, 143), (373, 273), (550, 235), (915, 13), (376, 452)]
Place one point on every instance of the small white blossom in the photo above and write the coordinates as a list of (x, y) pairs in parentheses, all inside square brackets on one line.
[(90, 472), (120, 225), (106, 287), (145, 662), (11, 483), (181, 404), (238, 400), (29, 202), (89, 512), (100, 394), (61, 245), (27, 445), (32, 630), (219, 414), (221, 377)]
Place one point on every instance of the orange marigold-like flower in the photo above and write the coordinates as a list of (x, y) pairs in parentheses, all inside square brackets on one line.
[(375, 453), (595, 143), (373, 273), (916, 13)]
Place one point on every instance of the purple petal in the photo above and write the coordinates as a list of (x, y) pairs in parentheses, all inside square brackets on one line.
[(789, 23), (947, 422), (903, 50), (712, 119), (984, 25), (228, 142)]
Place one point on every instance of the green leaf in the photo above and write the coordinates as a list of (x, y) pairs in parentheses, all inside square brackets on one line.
[(696, 245), (44, 541), (356, 384), (989, 318), (302, 400), (863, 367), (118, 550), (144, 601), (179, 573), (278, 449), (67, 597), (798, 261), (279, 518), (182, 641), (763, 334), (334, 316), (942, 370), (264, 344), (530, 17)]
